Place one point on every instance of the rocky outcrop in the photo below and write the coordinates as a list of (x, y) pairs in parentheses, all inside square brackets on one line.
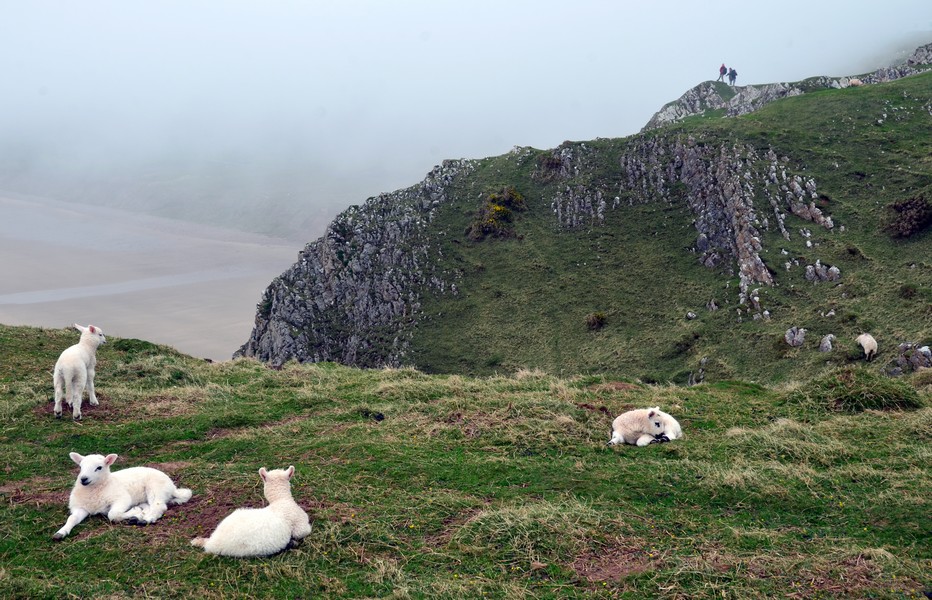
[(708, 95), (353, 295), (721, 184), (818, 272), (711, 95), (912, 356), (795, 336)]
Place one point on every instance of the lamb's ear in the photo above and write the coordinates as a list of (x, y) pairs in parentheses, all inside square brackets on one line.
[(262, 473), (290, 471), (91, 329), (650, 415), (78, 327), (77, 458), (110, 459)]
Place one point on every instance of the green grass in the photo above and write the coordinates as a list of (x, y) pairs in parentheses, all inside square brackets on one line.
[(498, 487)]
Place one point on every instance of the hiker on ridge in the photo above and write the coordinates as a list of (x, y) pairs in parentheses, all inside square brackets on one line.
[(721, 73), (732, 75)]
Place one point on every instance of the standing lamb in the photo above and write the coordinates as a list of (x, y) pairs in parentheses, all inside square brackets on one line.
[(75, 369), (869, 344), (644, 426), (265, 531), (137, 495)]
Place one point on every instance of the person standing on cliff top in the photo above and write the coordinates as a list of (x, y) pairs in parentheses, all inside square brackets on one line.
[(721, 73), (732, 75)]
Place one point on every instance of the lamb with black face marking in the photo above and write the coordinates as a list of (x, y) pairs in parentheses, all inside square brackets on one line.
[(644, 426)]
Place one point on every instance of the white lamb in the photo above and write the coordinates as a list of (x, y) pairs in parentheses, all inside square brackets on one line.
[(644, 426), (869, 344), (75, 369), (137, 495), (261, 531)]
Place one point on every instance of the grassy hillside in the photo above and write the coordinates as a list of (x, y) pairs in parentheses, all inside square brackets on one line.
[(524, 299), (498, 487)]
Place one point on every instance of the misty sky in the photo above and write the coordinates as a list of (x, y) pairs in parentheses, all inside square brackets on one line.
[(323, 104)]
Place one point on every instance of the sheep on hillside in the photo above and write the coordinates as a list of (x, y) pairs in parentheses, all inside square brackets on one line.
[(137, 495), (644, 426), (265, 531), (869, 344), (75, 369)]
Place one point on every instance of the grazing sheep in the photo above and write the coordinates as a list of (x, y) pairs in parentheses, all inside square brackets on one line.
[(261, 531), (137, 495), (869, 344), (75, 369), (855, 82), (644, 426)]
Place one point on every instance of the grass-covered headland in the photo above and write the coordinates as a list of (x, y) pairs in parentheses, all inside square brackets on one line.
[(446, 486)]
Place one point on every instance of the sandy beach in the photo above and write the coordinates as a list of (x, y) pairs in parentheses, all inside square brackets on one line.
[(189, 286)]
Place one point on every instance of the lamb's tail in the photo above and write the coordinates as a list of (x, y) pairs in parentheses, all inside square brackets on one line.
[(181, 496), (200, 541)]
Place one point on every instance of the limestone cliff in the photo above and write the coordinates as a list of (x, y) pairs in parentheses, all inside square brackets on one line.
[(354, 294)]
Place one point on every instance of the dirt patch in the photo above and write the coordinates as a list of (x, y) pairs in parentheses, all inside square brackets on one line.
[(169, 468), (115, 411), (855, 577), (586, 406), (38, 492), (615, 562)]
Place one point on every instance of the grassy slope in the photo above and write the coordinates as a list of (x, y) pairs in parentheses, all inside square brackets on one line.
[(495, 487), (523, 301)]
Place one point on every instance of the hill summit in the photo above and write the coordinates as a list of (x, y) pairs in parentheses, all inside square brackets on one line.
[(690, 251)]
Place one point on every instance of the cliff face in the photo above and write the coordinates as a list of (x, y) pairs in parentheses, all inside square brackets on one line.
[(720, 184), (354, 294), (741, 100)]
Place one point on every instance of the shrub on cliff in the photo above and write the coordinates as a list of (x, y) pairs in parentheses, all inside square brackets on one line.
[(595, 321), (908, 217), (496, 215)]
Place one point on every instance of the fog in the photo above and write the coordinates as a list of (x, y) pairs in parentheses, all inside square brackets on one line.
[(273, 116), (270, 117)]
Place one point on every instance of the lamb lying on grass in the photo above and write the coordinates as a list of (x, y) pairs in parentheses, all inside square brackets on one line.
[(75, 369), (137, 495), (644, 426), (261, 531)]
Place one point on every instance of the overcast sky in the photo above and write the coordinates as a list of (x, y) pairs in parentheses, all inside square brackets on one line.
[(365, 96)]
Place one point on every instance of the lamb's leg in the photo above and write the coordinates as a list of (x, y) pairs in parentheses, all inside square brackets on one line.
[(645, 439), (121, 510), (59, 392), (154, 511), (77, 515), (75, 387), (76, 394), (616, 438), (90, 387)]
